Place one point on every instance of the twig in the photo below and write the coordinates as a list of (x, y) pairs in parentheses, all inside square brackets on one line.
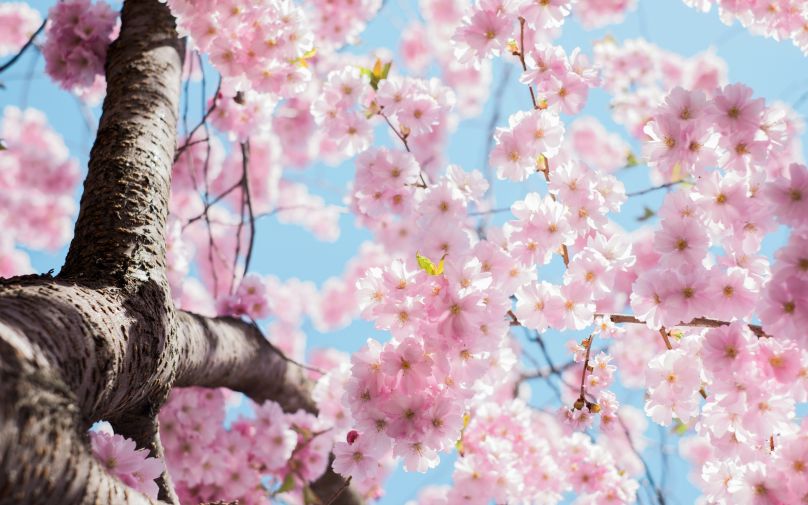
[(655, 188), (648, 475), (565, 253), (521, 55), (203, 121), (28, 44), (245, 155), (403, 139), (581, 402), (699, 322)]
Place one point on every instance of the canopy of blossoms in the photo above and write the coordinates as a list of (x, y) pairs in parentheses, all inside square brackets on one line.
[(692, 310)]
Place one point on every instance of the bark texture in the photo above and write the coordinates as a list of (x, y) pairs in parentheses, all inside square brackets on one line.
[(102, 340)]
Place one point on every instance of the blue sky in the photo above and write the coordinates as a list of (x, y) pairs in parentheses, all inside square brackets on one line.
[(775, 70)]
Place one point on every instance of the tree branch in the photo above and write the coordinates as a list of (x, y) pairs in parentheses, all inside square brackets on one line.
[(120, 233), (25, 46), (699, 322), (228, 352)]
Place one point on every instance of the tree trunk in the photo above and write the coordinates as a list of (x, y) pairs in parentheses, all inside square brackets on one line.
[(103, 339)]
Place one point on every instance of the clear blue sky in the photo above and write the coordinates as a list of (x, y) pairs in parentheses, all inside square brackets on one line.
[(776, 71)]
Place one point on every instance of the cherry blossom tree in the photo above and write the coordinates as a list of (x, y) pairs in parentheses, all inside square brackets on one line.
[(158, 366)]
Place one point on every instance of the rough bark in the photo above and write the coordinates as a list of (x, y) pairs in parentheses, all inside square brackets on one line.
[(103, 339), (120, 231)]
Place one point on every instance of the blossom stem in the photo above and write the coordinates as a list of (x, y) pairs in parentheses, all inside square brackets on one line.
[(664, 333), (521, 55), (588, 343), (565, 253)]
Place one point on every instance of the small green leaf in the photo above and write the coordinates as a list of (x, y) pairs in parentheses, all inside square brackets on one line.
[(386, 69), (376, 75), (459, 443), (439, 270), (288, 484), (679, 428), (377, 68), (425, 263), (648, 213), (631, 160)]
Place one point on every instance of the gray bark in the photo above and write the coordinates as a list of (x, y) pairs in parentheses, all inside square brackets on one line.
[(103, 340)]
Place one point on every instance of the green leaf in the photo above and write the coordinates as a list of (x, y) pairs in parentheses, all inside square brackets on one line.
[(459, 443), (679, 428), (386, 69), (428, 266), (631, 160), (425, 264), (648, 213), (440, 265), (288, 484), (379, 72)]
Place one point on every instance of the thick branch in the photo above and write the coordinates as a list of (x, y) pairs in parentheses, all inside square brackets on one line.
[(120, 232), (44, 451), (228, 352)]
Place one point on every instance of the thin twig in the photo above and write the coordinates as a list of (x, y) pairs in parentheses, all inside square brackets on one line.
[(245, 155), (699, 322), (211, 203), (521, 55), (648, 475), (582, 398), (565, 253), (655, 188), (202, 122), (22, 50)]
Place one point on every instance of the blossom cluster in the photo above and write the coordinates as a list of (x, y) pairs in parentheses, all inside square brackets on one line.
[(121, 458), (18, 23), (782, 20), (76, 41), (246, 462), (514, 454), (260, 45), (37, 179), (490, 26), (423, 44), (726, 208), (336, 23), (597, 13), (639, 75)]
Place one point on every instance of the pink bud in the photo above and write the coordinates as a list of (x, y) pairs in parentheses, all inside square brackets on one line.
[(352, 436)]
